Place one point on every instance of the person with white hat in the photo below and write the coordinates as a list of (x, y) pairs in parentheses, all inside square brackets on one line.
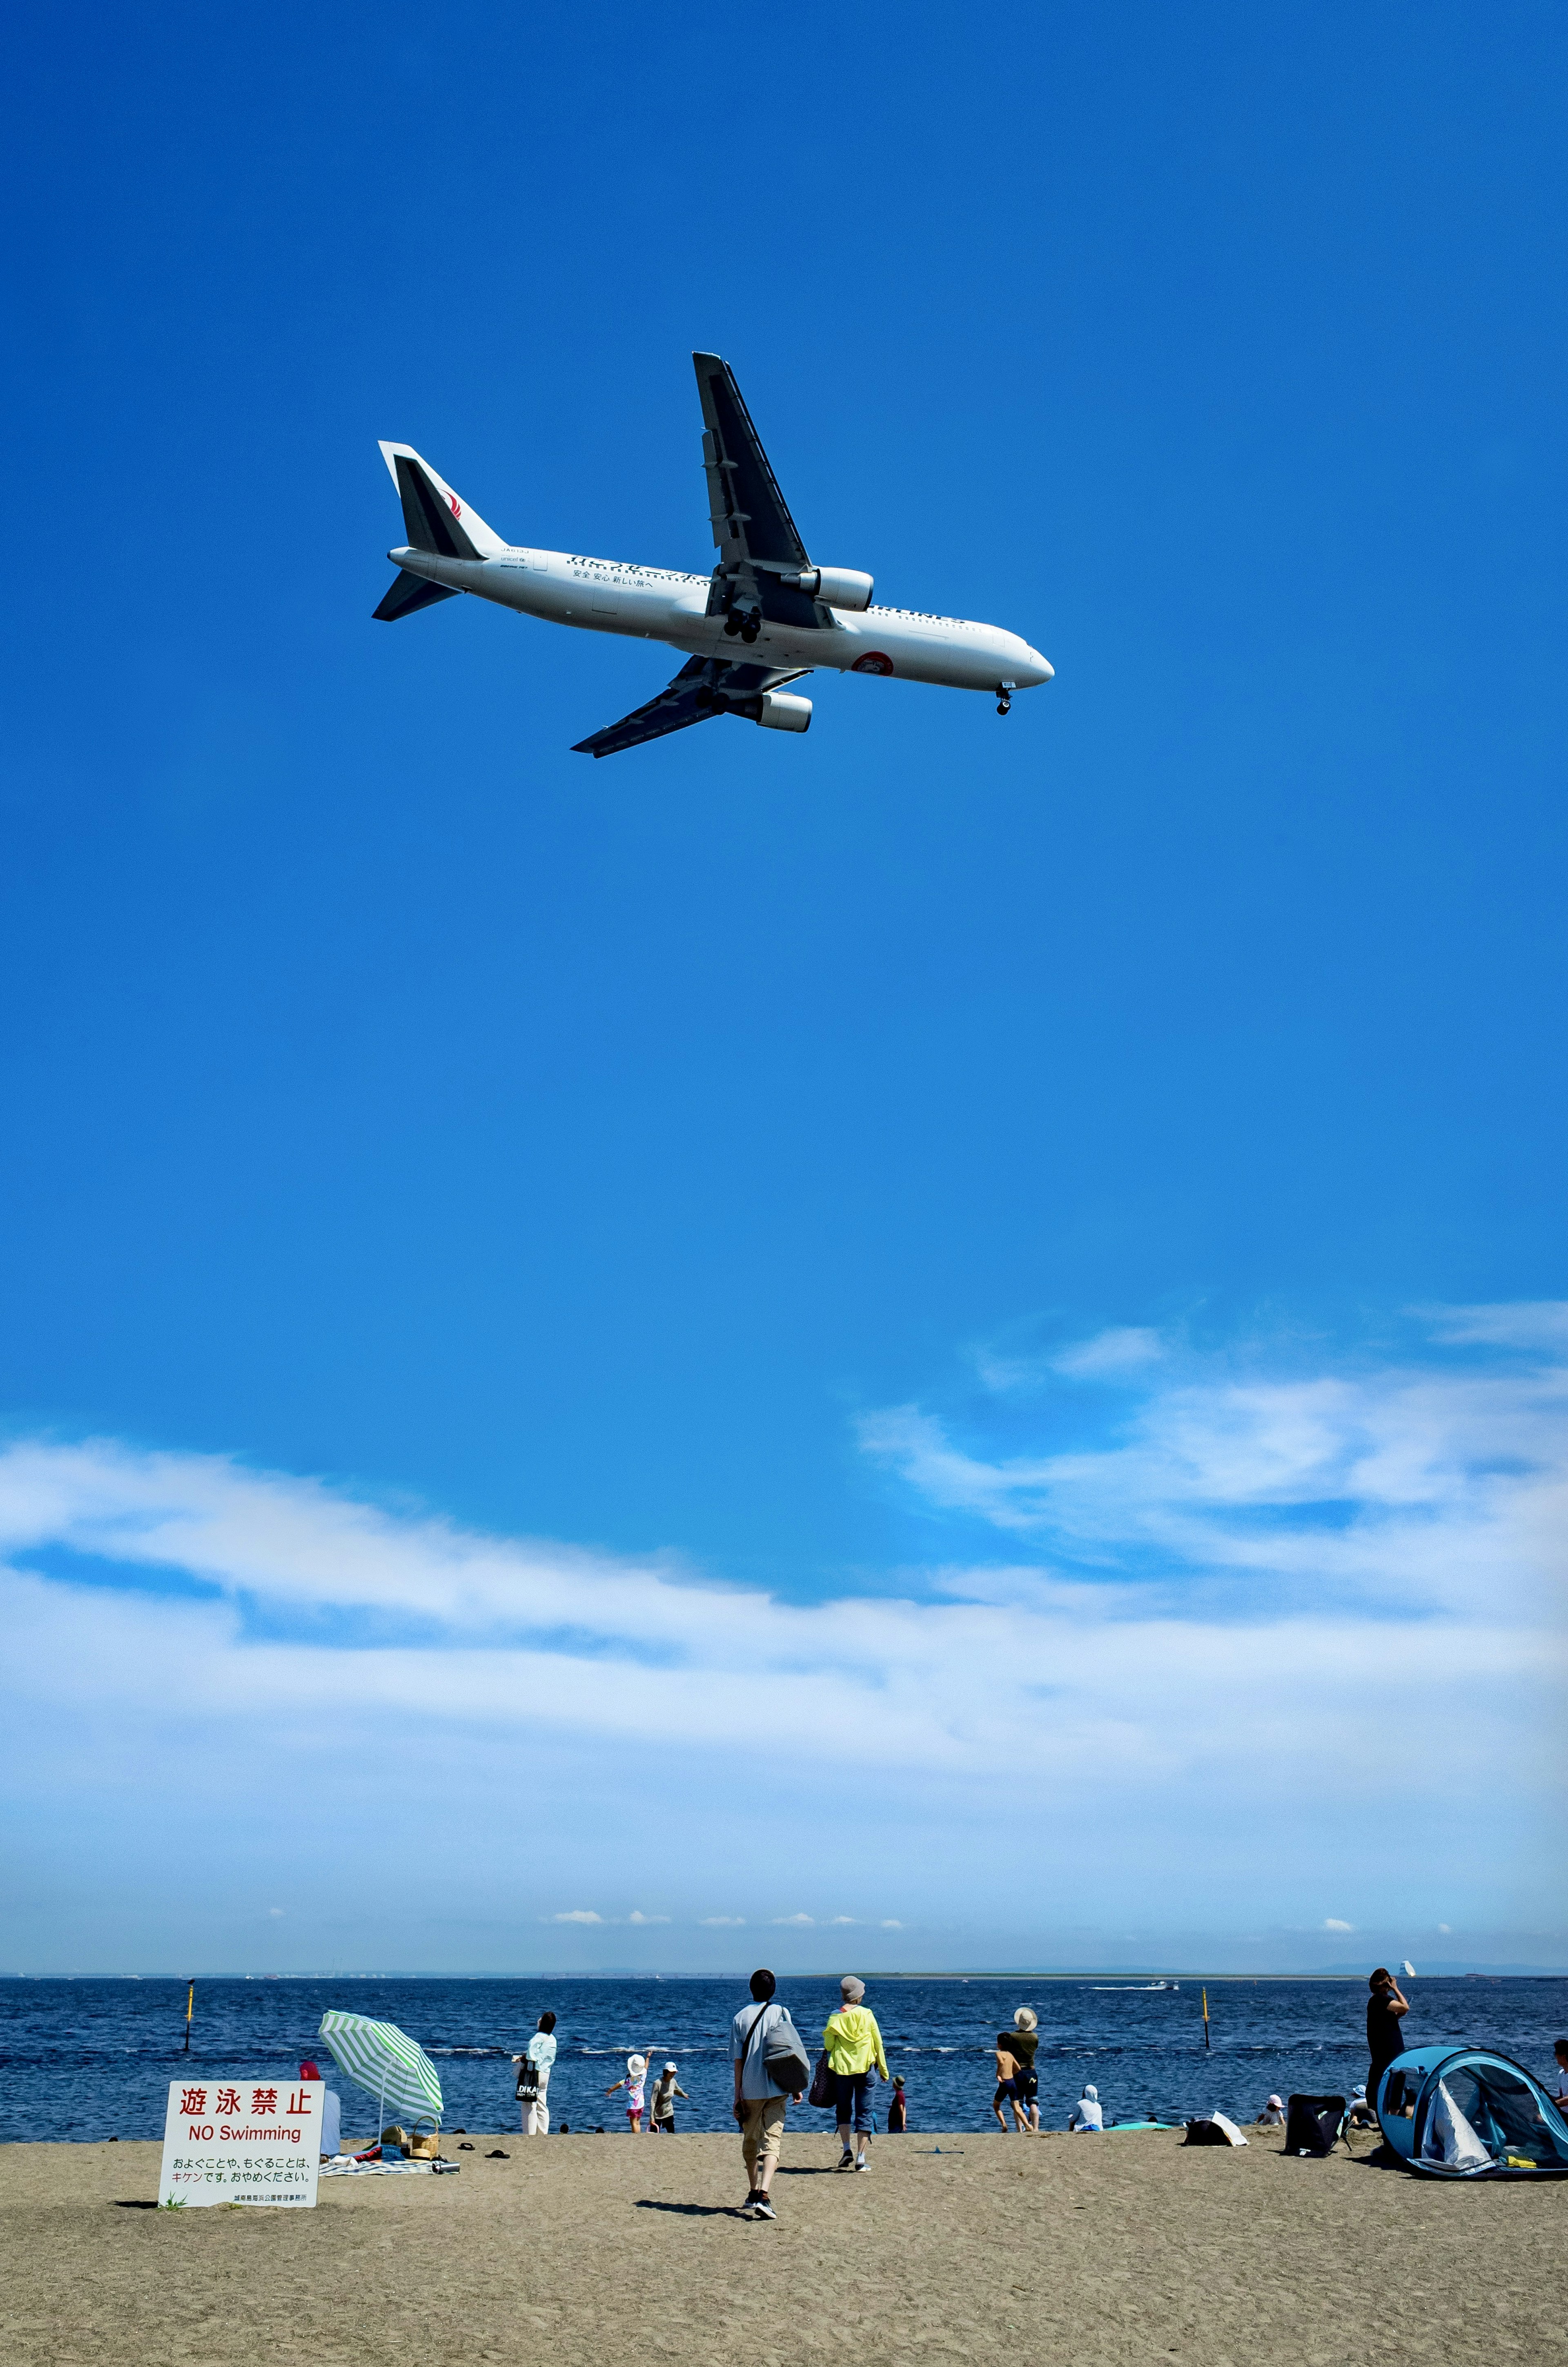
[(662, 2109), (633, 2083)]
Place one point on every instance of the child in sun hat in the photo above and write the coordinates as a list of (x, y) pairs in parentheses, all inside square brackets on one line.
[(662, 2112), (636, 2075)]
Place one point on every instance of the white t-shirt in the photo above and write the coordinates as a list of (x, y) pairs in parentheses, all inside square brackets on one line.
[(755, 2085), (1086, 2114), (542, 2050)]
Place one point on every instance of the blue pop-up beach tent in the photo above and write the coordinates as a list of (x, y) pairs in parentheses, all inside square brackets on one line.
[(1462, 2112)]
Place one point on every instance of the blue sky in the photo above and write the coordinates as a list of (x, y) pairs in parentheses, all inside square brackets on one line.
[(722, 1161)]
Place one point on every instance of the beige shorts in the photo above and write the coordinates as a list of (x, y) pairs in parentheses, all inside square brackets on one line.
[(762, 2131)]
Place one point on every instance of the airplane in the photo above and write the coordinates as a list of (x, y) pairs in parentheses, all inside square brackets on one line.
[(764, 593)]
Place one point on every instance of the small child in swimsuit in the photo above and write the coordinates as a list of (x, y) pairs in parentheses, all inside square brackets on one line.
[(636, 2073)]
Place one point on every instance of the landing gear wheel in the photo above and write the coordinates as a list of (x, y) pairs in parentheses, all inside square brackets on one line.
[(732, 625), (750, 629), (1003, 705)]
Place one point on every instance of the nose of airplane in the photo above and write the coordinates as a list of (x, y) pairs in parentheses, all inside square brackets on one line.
[(1044, 669)]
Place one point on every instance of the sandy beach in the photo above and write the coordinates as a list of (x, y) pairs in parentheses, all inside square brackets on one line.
[(592, 2249)]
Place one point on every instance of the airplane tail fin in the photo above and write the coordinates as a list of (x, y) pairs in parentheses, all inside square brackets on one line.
[(434, 519)]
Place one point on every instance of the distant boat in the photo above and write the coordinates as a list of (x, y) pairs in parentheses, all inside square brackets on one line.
[(1408, 1969), (1130, 1988)]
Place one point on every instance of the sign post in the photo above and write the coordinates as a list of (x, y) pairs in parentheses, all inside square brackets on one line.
[(241, 2141)]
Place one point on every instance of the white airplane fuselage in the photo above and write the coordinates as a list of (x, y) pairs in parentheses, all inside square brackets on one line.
[(658, 604)]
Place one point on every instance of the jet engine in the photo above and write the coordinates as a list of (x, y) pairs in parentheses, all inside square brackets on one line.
[(776, 710), (841, 587)]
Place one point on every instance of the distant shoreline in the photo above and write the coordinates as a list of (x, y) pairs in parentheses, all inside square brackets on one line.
[(1134, 1977)]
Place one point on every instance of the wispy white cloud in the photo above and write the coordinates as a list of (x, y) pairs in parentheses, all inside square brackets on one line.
[(1523, 1323), (638, 1916), (1110, 1355), (1265, 1611), (1332, 1923)]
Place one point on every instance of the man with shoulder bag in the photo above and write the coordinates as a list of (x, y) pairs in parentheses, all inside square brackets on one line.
[(771, 2067)]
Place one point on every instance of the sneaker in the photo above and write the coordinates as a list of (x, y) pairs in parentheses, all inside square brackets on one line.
[(861, 2163), (845, 2159), (761, 2208)]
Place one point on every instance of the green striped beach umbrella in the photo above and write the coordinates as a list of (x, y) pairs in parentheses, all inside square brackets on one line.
[(383, 2058)]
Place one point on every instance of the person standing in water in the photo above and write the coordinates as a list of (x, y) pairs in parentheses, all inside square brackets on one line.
[(1386, 2010), (661, 2108), (854, 2045), (634, 2084)]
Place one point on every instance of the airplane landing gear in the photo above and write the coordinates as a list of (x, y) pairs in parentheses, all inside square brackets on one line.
[(747, 626), (1005, 697)]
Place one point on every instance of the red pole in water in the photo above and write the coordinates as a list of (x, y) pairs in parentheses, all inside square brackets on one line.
[(1206, 2021)]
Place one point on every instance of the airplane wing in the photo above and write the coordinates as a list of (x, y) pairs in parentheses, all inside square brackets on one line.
[(753, 530), (704, 686)]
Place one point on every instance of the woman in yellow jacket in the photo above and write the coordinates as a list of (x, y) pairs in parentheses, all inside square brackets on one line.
[(854, 2044)]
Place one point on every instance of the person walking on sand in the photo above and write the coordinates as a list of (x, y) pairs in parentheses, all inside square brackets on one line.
[(854, 2045), (1386, 2010), (759, 2105), (633, 2083), (898, 2107), (1022, 2041), (662, 2109), (533, 2078)]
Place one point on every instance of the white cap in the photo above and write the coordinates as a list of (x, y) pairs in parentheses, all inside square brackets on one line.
[(669, 2066)]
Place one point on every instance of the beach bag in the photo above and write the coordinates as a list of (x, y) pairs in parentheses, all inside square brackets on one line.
[(823, 2094), (1313, 2125), (423, 2145), (527, 2080), (784, 2058)]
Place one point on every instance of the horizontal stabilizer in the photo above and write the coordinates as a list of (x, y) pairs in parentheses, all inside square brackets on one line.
[(408, 592)]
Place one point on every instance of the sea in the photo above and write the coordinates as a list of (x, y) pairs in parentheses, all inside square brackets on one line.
[(84, 2060)]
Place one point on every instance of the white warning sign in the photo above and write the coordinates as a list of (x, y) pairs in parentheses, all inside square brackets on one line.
[(241, 2141)]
